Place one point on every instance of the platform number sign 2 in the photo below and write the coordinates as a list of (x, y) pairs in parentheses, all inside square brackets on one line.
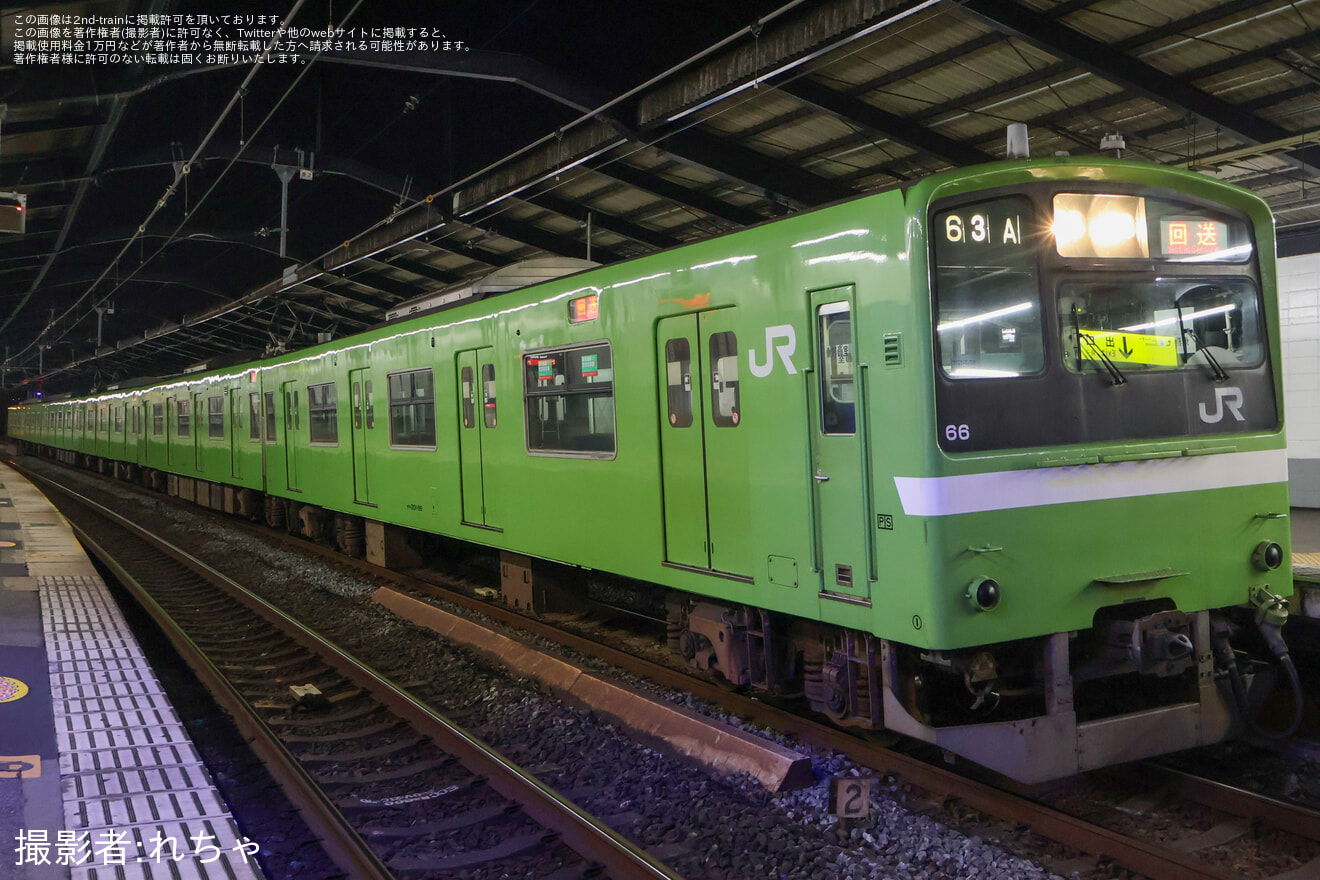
[(850, 796)]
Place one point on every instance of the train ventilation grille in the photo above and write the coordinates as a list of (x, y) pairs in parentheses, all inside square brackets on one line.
[(893, 349), (843, 575)]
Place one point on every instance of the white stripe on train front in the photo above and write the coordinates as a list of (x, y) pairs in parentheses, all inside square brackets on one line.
[(1007, 490)]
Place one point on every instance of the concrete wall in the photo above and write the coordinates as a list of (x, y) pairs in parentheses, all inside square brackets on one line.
[(1299, 304)]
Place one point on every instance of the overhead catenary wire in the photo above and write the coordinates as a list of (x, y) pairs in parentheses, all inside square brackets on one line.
[(174, 184)]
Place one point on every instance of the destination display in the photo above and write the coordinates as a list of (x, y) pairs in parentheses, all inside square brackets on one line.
[(1192, 235)]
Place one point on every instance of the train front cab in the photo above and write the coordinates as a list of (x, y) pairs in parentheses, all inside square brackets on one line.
[(1108, 492)]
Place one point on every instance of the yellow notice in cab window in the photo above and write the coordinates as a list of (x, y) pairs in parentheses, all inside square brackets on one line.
[(1132, 348)]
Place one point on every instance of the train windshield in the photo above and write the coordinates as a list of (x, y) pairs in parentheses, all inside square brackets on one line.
[(1073, 317), (1160, 324)]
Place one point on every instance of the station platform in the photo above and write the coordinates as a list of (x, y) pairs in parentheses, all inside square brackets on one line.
[(98, 776)]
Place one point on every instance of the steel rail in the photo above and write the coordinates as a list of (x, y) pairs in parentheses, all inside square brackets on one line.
[(339, 839), (1278, 814), (578, 829), (1150, 859)]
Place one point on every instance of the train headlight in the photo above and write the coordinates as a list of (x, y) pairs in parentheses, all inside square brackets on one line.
[(1267, 556), (1105, 225), (983, 593)]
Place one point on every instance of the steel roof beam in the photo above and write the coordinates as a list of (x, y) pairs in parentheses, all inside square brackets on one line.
[(544, 239), (675, 192), (332, 285), (601, 220), (1133, 74), (379, 282), (757, 171), (887, 124), (388, 260)]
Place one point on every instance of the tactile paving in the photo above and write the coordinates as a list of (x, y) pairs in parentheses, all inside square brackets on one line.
[(132, 778)]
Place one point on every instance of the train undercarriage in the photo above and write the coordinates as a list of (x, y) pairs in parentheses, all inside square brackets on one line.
[(1144, 680)]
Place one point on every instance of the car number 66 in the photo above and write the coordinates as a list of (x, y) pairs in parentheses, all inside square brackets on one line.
[(957, 432)]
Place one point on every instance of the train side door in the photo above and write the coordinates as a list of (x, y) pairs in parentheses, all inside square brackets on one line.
[(839, 463), (237, 436), (477, 417), (292, 425), (141, 425), (364, 420), (703, 453), (199, 412)]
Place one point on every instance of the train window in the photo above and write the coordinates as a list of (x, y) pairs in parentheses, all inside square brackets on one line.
[(254, 416), (270, 416), (412, 409), (119, 420), (678, 381), (1161, 324), (469, 397), (357, 405), (569, 398), (322, 413), (181, 407), (371, 408), (297, 412), (157, 420), (834, 348), (724, 380), (137, 420), (987, 291), (215, 417), (488, 394)]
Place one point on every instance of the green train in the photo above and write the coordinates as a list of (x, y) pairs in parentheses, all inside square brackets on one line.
[(994, 459)]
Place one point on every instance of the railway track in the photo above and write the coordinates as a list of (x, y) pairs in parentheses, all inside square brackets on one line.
[(359, 755), (1104, 848)]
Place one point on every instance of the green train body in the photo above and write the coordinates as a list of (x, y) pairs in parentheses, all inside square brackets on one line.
[(938, 512)]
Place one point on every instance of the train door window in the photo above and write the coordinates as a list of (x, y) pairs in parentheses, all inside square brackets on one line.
[(103, 418), (322, 413), (834, 346), (357, 405), (297, 413), (469, 398), (371, 409), (678, 372), (119, 420), (254, 416), (215, 417), (137, 420), (158, 419), (488, 394), (270, 416), (724, 379), (185, 419), (412, 409)]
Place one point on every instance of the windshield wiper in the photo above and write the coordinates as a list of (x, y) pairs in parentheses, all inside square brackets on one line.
[(1114, 372), (1221, 375)]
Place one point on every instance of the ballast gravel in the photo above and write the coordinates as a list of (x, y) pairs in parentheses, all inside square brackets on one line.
[(725, 828)]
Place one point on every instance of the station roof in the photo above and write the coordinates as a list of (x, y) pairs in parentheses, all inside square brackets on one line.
[(423, 148)]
